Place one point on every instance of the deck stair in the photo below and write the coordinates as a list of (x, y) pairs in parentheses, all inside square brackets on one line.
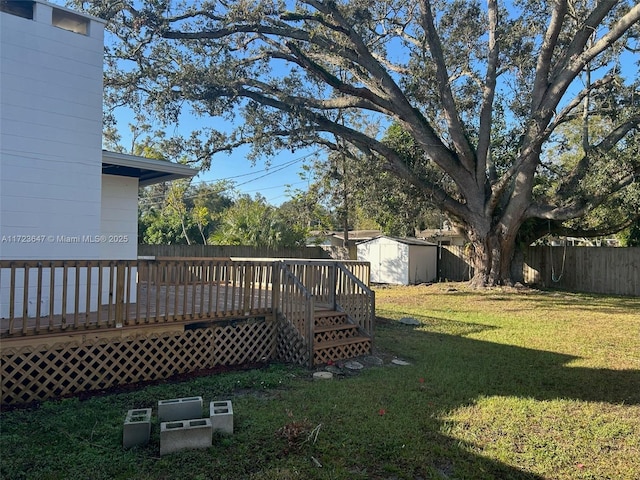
[(336, 338)]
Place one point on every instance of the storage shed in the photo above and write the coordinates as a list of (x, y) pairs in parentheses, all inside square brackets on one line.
[(400, 261)]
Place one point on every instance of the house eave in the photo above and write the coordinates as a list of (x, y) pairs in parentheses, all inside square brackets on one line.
[(147, 170)]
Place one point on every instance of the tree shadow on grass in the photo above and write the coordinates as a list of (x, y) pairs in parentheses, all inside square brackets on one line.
[(473, 369)]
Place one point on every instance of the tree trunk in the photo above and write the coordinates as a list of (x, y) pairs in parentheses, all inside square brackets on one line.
[(492, 257)]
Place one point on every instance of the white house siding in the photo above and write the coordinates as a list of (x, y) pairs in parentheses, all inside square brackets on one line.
[(119, 218), (120, 223), (50, 138), (50, 148)]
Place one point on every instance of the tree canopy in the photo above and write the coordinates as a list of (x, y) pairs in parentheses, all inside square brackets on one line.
[(483, 90), (253, 222)]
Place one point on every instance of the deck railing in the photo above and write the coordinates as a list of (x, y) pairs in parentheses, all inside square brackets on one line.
[(38, 297), (57, 296), (355, 298)]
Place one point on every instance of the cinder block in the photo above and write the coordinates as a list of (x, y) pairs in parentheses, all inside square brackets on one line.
[(179, 409), (221, 415), (137, 428), (184, 435)]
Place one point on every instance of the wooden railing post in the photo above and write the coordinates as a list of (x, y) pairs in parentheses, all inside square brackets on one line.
[(248, 281), (333, 284), (276, 273), (120, 279)]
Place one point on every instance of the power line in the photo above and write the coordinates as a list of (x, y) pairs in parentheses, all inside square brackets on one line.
[(277, 186), (277, 168), (271, 171)]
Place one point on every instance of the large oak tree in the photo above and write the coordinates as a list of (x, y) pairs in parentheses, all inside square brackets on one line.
[(482, 90)]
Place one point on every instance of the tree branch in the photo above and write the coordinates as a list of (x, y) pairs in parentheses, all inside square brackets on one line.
[(582, 166), (549, 43), (403, 111), (366, 144), (568, 109), (576, 57), (581, 206), (599, 231), (456, 129), (488, 94), (335, 82)]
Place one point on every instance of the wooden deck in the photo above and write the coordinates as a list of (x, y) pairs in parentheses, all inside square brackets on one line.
[(130, 321), (156, 304)]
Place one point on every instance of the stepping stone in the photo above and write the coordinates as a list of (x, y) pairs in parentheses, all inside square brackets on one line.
[(322, 376), (353, 365), (397, 361), (333, 369), (409, 321), (372, 360)]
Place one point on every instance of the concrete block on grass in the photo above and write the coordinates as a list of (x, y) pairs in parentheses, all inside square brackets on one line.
[(179, 409), (221, 415), (137, 428), (184, 435)]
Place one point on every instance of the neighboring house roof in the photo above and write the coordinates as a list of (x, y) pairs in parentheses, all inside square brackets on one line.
[(354, 235), (405, 241), (435, 233), (147, 170)]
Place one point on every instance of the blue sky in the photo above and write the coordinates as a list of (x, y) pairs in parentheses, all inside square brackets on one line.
[(270, 177)]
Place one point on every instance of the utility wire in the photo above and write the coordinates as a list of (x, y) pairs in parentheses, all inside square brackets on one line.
[(271, 171)]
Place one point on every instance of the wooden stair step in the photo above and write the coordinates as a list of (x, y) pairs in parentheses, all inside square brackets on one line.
[(328, 313), (329, 317), (340, 343), (329, 328)]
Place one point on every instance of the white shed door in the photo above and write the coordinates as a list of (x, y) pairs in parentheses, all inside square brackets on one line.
[(391, 263)]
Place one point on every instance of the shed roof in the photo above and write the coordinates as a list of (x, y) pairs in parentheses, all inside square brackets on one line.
[(405, 241), (147, 170)]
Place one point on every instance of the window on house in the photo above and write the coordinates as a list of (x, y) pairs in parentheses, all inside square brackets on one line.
[(18, 8), (70, 21)]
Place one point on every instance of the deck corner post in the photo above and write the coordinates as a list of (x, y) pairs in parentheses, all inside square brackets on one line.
[(309, 321)]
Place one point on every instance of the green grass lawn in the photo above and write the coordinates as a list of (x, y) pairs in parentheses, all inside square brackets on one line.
[(501, 385)]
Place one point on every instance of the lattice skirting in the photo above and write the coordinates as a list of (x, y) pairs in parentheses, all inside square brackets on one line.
[(355, 349), (37, 373), (291, 347), (327, 320)]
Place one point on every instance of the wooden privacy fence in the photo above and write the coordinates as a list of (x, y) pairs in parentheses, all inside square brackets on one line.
[(231, 251), (71, 326), (606, 270)]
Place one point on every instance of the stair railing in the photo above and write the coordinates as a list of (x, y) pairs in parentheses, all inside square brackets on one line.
[(355, 298), (296, 305)]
